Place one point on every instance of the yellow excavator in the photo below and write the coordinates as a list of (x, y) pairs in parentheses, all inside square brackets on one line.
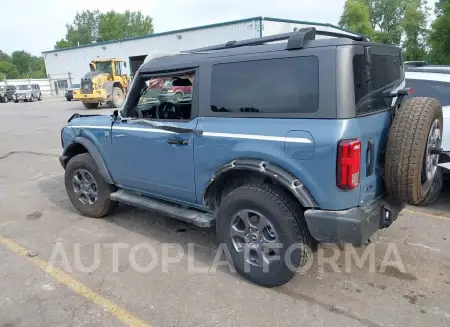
[(105, 83)]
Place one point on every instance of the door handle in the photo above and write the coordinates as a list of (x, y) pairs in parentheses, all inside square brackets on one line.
[(177, 142)]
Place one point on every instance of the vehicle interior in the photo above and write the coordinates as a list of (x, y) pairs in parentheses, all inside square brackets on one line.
[(150, 105)]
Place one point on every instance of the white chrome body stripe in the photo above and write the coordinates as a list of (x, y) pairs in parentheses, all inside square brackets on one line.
[(260, 137), (150, 130), (225, 135), (89, 127)]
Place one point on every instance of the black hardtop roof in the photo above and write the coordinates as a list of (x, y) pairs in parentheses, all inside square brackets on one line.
[(193, 58)]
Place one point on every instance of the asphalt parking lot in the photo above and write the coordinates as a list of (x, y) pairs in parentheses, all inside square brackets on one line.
[(37, 221)]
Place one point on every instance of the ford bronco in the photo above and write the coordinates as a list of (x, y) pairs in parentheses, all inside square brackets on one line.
[(280, 146)]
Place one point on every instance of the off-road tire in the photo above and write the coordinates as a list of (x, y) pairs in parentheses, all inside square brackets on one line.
[(287, 218), (104, 205), (16, 101), (90, 105), (115, 103), (435, 189), (406, 148), (68, 99)]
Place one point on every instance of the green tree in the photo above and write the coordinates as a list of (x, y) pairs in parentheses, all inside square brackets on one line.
[(440, 36), (83, 30), (8, 70), (93, 26), (115, 26), (439, 7), (22, 61), (415, 30), (356, 17), (386, 17), (4, 56)]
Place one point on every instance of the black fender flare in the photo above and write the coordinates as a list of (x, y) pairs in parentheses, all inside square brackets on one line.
[(95, 154), (292, 183)]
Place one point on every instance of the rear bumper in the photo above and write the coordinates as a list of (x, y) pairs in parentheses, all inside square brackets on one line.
[(355, 225)]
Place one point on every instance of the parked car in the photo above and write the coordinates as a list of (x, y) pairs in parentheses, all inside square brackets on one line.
[(29, 92), (434, 81), (282, 145), (176, 90), (7, 92), (69, 91)]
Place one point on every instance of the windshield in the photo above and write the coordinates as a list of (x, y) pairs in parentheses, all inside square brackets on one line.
[(24, 87), (434, 89), (103, 67)]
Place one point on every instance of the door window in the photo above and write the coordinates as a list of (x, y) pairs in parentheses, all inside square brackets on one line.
[(163, 98)]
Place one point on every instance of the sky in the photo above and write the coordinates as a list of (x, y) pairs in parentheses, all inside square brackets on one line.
[(41, 23)]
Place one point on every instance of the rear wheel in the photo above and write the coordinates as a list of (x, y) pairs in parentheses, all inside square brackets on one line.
[(40, 97), (90, 105), (411, 154), (5, 98), (86, 189), (265, 233)]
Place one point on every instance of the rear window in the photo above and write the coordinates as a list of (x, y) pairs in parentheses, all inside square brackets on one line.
[(433, 89), (287, 85), (370, 82)]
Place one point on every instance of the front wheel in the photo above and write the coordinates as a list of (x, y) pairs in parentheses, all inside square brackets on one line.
[(86, 189), (265, 233), (40, 97), (5, 99), (118, 97)]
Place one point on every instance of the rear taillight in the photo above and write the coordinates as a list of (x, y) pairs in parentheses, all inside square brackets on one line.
[(348, 164)]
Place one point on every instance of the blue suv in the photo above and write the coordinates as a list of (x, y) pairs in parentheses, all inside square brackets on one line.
[(281, 145)]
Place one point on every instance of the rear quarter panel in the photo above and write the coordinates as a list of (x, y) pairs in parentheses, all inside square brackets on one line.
[(313, 163)]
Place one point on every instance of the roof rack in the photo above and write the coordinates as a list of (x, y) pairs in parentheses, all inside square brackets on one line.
[(296, 40)]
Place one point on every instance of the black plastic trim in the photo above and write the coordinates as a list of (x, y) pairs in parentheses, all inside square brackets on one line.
[(292, 183), (95, 154), (354, 225)]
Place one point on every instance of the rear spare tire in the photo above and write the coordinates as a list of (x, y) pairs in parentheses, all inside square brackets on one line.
[(435, 189), (410, 165)]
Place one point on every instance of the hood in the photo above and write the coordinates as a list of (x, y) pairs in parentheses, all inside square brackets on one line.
[(100, 120), (446, 112)]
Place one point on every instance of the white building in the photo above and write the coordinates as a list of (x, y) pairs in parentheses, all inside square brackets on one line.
[(68, 66)]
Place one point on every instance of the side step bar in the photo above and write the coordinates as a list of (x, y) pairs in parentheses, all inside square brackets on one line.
[(198, 218)]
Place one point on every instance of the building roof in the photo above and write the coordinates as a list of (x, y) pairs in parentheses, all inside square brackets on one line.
[(260, 18)]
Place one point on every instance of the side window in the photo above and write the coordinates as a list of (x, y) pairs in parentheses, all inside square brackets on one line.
[(164, 98), (287, 85), (371, 81), (117, 68)]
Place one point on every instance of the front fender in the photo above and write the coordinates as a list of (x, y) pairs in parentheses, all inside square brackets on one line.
[(292, 183), (95, 154)]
